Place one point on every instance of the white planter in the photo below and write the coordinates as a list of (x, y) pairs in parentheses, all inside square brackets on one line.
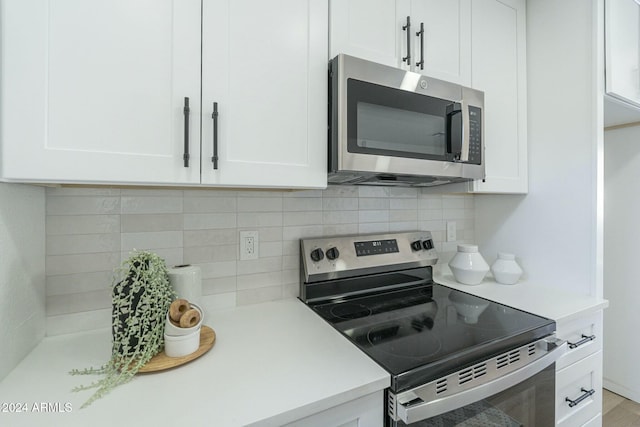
[(505, 269), (468, 266)]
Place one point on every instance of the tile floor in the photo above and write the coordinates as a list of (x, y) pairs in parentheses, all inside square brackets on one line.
[(618, 411)]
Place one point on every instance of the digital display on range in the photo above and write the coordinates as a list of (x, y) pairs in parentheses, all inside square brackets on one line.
[(376, 247)]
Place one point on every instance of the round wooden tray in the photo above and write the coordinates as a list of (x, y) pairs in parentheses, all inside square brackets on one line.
[(161, 361)]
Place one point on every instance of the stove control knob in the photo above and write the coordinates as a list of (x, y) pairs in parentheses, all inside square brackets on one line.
[(317, 255), (427, 244), (333, 253), (417, 245)]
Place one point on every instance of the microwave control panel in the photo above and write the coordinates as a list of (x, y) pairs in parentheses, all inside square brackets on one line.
[(475, 135)]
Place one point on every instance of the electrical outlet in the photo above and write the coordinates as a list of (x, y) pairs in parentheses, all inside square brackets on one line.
[(249, 245), (451, 231)]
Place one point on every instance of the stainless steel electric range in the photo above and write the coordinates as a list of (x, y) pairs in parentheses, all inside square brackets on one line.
[(454, 359)]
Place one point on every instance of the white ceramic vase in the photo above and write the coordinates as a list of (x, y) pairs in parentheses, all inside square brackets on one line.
[(505, 269), (468, 266)]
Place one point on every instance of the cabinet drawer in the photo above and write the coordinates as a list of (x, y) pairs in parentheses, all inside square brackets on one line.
[(576, 332), (574, 382), (366, 411), (594, 422)]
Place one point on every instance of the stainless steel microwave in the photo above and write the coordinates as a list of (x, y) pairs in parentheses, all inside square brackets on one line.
[(388, 126)]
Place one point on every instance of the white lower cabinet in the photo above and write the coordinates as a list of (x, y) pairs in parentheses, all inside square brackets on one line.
[(584, 334), (582, 384), (594, 422), (579, 372), (367, 411)]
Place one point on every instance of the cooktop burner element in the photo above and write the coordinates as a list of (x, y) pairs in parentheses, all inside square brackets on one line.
[(387, 304), (350, 311)]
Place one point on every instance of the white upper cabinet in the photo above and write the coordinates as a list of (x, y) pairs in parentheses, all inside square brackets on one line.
[(622, 50), (499, 69), (377, 31), (93, 91), (446, 42), (266, 68), (479, 43), (369, 29)]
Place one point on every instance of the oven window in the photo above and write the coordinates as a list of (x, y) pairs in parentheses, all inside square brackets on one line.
[(400, 123), (530, 403)]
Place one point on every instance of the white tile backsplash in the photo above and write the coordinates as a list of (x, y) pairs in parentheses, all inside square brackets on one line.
[(145, 204), (91, 231), (83, 224), (151, 222), (82, 205), (151, 240), (209, 204), (22, 273)]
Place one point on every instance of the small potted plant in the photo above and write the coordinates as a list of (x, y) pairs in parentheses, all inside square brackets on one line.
[(141, 295)]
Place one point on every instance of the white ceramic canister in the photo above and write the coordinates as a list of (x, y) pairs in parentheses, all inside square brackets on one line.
[(468, 266), (505, 269)]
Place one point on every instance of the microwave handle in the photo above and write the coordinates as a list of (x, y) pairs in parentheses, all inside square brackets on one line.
[(464, 157), (452, 110)]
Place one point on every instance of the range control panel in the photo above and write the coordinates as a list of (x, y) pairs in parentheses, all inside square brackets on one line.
[(347, 256)]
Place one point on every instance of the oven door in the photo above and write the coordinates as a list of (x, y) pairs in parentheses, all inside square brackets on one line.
[(524, 397)]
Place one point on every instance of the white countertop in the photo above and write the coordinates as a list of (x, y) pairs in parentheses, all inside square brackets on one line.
[(545, 301), (271, 364)]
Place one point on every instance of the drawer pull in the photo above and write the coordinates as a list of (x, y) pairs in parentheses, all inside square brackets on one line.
[(586, 394), (585, 339)]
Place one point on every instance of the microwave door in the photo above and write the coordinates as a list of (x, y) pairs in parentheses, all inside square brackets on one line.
[(398, 123)]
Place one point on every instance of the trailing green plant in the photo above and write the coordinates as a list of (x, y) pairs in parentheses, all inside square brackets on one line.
[(141, 295)]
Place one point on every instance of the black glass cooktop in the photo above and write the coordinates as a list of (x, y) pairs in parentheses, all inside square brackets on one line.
[(427, 331)]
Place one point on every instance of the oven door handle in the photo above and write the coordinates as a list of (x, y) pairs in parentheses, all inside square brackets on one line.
[(418, 412)]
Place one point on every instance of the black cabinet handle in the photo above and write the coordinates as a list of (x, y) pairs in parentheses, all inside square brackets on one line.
[(585, 339), (214, 116), (586, 394), (421, 35), (407, 28), (186, 111)]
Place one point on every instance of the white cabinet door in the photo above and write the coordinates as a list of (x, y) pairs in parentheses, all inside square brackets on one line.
[(374, 30), (499, 69), (447, 39), (579, 391), (93, 91), (266, 68), (370, 29), (366, 411), (622, 50)]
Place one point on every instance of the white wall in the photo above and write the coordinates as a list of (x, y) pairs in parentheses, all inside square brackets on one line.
[(621, 278), (556, 230), (91, 230), (22, 284)]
